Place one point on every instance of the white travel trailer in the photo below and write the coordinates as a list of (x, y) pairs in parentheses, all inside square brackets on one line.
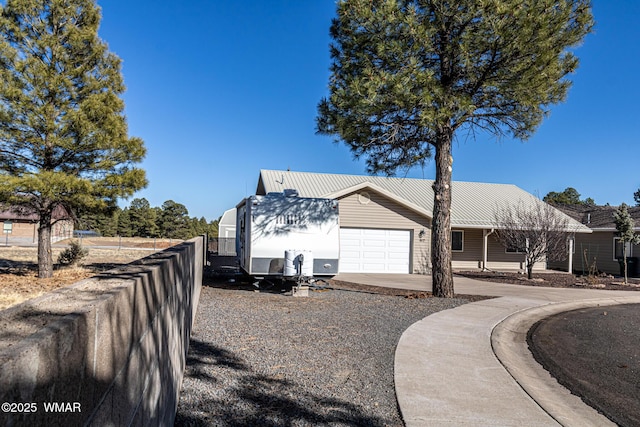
[(283, 235)]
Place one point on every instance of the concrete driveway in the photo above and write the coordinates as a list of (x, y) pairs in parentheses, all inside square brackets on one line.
[(470, 366)]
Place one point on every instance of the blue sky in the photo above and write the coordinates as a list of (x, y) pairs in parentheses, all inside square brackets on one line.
[(221, 89)]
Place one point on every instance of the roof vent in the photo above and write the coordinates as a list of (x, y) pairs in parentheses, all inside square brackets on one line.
[(290, 192)]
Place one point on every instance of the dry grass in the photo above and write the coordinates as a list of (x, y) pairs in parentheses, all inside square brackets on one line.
[(127, 242), (18, 265), (22, 284)]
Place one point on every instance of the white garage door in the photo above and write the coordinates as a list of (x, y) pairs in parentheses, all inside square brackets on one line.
[(365, 250)]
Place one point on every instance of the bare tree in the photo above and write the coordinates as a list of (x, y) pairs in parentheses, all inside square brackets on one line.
[(537, 230)]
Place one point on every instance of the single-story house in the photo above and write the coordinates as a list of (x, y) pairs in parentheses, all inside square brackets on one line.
[(385, 223), (601, 250), (22, 225)]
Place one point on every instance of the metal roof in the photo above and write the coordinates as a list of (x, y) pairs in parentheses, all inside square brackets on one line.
[(473, 204), (598, 217), (18, 213)]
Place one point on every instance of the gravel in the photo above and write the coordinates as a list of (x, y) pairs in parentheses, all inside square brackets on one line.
[(267, 359)]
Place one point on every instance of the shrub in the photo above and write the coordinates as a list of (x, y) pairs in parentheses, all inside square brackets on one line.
[(73, 254)]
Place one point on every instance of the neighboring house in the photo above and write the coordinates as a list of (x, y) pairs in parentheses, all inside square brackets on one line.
[(227, 233), (385, 223), (24, 226), (600, 250)]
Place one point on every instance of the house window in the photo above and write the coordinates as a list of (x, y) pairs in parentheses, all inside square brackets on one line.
[(517, 249), (617, 248), (457, 240)]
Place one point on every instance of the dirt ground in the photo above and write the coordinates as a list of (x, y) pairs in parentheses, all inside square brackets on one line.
[(594, 353), (18, 265), (556, 280), (223, 283)]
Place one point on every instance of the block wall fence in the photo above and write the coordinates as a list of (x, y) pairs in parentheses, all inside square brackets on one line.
[(109, 350)]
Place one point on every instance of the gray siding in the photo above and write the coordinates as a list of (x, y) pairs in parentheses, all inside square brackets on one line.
[(497, 258), (471, 255), (376, 211), (498, 253), (596, 247)]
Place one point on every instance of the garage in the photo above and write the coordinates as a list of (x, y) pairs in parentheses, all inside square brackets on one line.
[(367, 250)]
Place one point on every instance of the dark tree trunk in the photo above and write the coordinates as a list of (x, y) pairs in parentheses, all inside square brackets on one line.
[(45, 258), (441, 226)]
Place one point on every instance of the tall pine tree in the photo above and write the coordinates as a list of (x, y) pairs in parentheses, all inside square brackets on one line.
[(408, 75), (143, 218), (63, 134), (174, 220)]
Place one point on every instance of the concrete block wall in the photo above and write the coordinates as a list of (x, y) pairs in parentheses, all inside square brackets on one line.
[(109, 350)]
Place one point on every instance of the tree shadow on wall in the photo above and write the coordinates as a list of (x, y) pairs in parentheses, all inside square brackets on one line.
[(115, 345), (253, 399)]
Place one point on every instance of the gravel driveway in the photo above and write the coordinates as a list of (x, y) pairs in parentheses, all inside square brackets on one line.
[(268, 359)]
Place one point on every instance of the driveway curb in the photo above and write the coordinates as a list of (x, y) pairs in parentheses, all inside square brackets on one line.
[(509, 342), (447, 369)]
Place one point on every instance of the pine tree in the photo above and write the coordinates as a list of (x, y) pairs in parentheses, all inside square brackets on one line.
[(407, 75), (197, 226), (124, 224), (108, 223), (625, 227), (142, 219), (213, 228), (63, 134), (569, 196), (174, 220)]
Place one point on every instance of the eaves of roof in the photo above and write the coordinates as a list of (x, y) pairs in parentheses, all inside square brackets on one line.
[(18, 213), (17, 216), (613, 229), (391, 196)]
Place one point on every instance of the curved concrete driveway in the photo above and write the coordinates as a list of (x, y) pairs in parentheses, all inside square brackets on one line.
[(470, 366)]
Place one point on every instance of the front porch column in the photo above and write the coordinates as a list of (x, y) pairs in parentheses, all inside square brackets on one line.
[(571, 255), (485, 247)]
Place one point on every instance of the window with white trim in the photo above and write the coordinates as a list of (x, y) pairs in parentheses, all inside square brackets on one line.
[(457, 240), (617, 248)]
